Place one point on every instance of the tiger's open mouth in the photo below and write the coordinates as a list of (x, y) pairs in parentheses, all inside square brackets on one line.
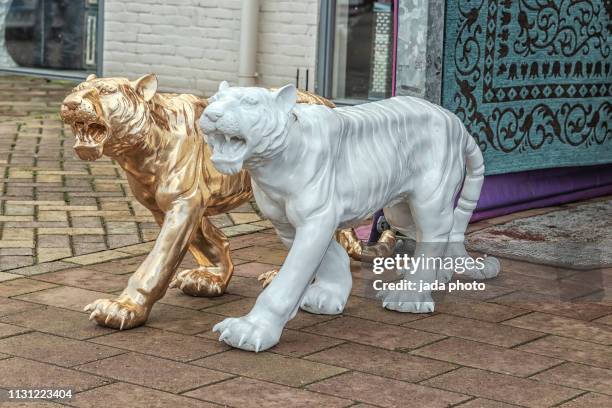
[(228, 151), (229, 145), (92, 132), (90, 139)]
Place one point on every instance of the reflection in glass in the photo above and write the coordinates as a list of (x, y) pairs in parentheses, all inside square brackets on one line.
[(363, 49), (55, 34)]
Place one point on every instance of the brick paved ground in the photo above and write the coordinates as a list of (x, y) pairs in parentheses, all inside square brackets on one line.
[(71, 233), (56, 208)]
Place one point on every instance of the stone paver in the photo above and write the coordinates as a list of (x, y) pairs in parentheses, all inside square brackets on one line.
[(235, 308), (154, 372), (285, 370), (4, 276), (10, 306), (71, 232), (303, 320), (65, 297), (537, 302), (252, 269), (86, 279), (96, 257), (371, 310), (488, 357), (376, 334), (255, 394), (178, 298), (31, 404), (589, 400), (22, 286), (605, 320), (505, 388), (565, 327), (55, 350), (385, 392), (262, 254), (485, 403), (61, 322), (161, 343), (472, 329), (41, 268), (298, 343), (247, 287), (381, 362), (181, 320), (133, 396), (489, 312), (561, 289), (21, 373), (119, 267), (579, 376), (7, 330), (571, 350)]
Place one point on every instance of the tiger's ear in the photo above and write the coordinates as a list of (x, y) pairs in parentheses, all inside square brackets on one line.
[(223, 86), (199, 107), (91, 77), (286, 97), (146, 86)]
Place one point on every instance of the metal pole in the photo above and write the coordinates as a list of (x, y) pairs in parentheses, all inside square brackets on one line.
[(325, 48), (43, 28), (249, 20)]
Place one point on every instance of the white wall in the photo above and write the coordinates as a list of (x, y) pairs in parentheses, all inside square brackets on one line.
[(193, 44)]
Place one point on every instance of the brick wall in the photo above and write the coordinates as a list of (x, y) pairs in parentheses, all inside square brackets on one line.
[(194, 44)]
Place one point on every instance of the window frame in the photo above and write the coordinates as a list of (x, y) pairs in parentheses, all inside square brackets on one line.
[(325, 53), (67, 75)]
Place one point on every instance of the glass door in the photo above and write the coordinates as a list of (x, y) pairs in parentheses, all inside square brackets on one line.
[(57, 35), (357, 37)]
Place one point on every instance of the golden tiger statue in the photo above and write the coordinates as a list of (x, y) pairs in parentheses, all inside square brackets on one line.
[(155, 137)]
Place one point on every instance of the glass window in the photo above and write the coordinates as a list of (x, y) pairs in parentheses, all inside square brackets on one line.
[(49, 34), (361, 66)]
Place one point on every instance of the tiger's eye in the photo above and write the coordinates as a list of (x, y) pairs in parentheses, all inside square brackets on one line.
[(248, 101), (107, 90)]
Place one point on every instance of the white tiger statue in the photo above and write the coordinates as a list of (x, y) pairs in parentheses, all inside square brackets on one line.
[(310, 174)]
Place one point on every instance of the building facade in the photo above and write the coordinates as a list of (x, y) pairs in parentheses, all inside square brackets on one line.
[(190, 44), (531, 80), (348, 50), (194, 44)]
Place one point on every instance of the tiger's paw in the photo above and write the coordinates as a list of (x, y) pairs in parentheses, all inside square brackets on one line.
[(267, 277), (201, 282), (324, 299), (121, 314), (408, 301)]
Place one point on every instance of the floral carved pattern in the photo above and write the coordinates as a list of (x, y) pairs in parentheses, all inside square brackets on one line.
[(567, 28), (527, 75)]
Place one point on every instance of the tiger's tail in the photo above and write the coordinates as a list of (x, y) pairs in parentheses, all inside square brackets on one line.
[(470, 193)]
